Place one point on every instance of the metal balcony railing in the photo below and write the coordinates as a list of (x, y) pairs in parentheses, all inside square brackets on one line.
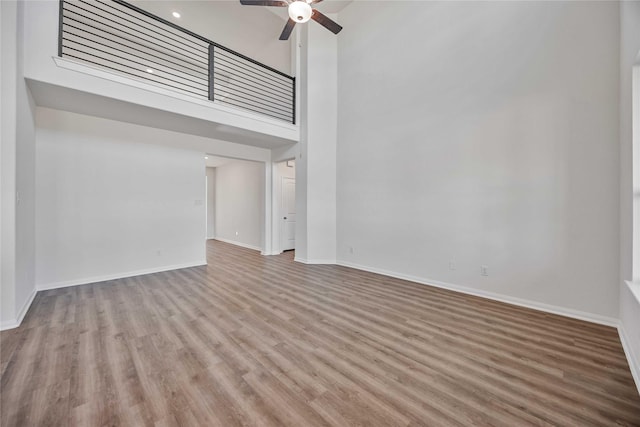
[(124, 38)]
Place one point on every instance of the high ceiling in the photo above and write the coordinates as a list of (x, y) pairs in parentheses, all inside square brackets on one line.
[(327, 6)]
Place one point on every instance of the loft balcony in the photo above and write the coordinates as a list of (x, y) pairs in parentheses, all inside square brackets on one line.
[(115, 60)]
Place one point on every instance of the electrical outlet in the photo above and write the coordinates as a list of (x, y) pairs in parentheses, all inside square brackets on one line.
[(351, 249), (452, 265), (484, 270), (236, 233)]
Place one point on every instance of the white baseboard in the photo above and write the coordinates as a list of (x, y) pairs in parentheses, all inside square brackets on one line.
[(25, 307), (632, 359), (9, 324), (315, 261), (14, 323), (269, 253), (96, 279), (242, 245), (562, 311)]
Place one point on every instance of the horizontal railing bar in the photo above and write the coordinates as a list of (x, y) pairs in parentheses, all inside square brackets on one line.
[(142, 74), (230, 69), (135, 62), (231, 80), (148, 22), (116, 39), (118, 29), (164, 21), (177, 27), (256, 111), (253, 61), (122, 44), (247, 91), (252, 67), (240, 71), (249, 100), (134, 37), (286, 94), (143, 77), (81, 37), (122, 15)]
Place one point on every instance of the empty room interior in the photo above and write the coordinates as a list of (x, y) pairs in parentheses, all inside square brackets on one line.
[(319, 213)]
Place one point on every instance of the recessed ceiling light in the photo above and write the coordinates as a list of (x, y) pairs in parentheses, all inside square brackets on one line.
[(149, 70), (206, 157), (176, 15)]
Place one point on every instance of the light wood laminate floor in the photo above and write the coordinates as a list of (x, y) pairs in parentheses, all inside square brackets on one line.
[(263, 341)]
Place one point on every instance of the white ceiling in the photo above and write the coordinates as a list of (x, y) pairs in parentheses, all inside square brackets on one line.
[(327, 6), (332, 6)]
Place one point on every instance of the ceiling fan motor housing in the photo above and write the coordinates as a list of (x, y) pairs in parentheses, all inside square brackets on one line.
[(300, 11)]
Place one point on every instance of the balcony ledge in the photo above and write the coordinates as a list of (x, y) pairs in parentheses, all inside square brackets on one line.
[(92, 90)]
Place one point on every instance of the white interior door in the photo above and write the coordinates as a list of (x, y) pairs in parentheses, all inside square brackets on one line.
[(288, 229)]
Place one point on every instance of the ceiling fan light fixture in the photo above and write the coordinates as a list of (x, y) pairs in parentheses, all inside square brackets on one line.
[(300, 11)]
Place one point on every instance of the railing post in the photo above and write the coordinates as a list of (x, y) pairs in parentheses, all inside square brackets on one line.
[(293, 121), (60, 30), (211, 72)]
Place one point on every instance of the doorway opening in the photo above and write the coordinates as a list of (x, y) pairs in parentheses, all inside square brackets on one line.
[(235, 201)]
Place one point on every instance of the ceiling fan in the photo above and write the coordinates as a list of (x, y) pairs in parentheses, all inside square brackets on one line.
[(299, 11)]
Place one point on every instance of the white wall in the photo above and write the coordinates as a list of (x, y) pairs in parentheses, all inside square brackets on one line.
[(18, 173), (25, 183), (8, 72), (110, 203), (240, 195), (483, 133), (316, 161), (629, 304), (629, 55), (211, 202)]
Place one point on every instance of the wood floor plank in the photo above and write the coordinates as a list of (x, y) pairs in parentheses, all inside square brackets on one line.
[(250, 340)]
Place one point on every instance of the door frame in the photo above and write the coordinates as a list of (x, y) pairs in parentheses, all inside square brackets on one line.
[(276, 204), (282, 210)]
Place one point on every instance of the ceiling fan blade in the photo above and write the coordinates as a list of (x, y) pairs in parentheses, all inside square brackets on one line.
[(278, 3), (326, 22), (288, 27), (314, 1)]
